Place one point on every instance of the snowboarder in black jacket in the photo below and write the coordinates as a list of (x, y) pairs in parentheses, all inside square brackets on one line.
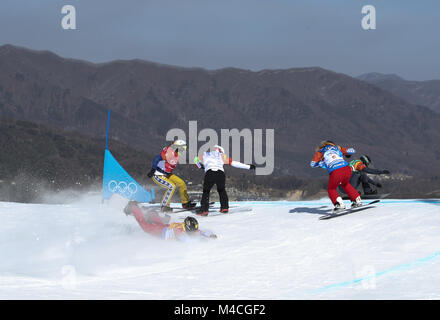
[(359, 175)]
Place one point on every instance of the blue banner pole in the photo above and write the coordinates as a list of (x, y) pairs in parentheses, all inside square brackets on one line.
[(115, 180), (105, 153), (108, 126)]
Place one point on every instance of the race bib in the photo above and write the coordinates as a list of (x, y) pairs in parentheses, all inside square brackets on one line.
[(332, 156)]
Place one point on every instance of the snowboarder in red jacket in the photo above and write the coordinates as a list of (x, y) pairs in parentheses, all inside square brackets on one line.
[(162, 174), (152, 223)]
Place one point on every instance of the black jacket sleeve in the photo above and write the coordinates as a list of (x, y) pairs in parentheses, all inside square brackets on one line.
[(372, 171)]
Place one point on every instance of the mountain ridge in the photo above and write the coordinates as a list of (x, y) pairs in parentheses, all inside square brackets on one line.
[(425, 93), (302, 105)]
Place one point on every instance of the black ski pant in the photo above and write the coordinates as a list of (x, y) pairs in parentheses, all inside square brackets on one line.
[(214, 178), (361, 178)]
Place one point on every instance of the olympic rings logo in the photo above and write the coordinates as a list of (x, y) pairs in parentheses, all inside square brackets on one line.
[(122, 187)]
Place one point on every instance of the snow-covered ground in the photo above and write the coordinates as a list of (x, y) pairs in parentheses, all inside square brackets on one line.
[(280, 250)]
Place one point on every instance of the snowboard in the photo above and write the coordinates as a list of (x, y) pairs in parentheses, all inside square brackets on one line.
[(369, 196), (177, 210), (216, 211), (348, 211)]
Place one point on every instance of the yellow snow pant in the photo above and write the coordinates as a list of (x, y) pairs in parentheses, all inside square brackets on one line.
[(171, 182)]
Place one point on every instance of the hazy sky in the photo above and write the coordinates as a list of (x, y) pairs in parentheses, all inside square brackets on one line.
[(249, 34)]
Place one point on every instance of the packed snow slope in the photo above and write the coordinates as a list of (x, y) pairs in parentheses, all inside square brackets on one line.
[(280, 250)]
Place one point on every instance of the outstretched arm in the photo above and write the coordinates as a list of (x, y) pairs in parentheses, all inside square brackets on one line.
[(208, 234), (347, 151), (237, 164), (198, 161), (372, 171)]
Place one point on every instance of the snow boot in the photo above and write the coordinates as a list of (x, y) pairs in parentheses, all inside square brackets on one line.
[(357, 203), (189, 205), (166, 209), (202, 213), (339, 205), (224, 210)]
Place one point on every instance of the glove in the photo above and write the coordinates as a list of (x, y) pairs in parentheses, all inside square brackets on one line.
[(151, 173), (386, 172), (348, 155), (379, 185), (198, 163), (252, 167)]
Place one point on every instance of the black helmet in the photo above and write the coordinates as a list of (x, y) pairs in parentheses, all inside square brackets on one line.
[(365, 159), (191, 224)]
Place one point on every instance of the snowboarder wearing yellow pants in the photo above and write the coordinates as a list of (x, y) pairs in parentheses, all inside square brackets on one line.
[(161, 174)]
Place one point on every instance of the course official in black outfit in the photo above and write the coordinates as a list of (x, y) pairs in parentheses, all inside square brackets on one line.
[(212, 162), (212, 178)]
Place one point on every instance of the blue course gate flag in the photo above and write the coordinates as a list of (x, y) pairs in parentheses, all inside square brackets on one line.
[(117, 180)]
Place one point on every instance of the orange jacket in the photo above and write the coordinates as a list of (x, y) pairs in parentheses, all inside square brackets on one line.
[(357, 165)]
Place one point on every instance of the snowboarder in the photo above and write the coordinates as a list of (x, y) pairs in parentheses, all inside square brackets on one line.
[(162, 174), (212, 162), (329, 156), (360, 169), (151, 222)]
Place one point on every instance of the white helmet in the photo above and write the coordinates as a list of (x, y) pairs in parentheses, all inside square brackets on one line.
[(219, 148), (179, 144)]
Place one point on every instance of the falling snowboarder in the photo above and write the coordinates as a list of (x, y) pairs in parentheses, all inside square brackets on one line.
[(152, 223), (359, 175)]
